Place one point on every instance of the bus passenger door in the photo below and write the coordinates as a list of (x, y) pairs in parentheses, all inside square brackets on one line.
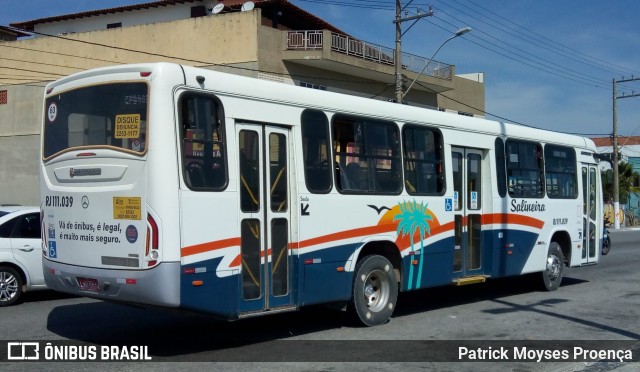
[(264, 175), (467, 208), (591, 234)]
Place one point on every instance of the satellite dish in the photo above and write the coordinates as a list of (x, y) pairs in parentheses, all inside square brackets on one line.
[(218, 8), (249, 5), (214, 8)]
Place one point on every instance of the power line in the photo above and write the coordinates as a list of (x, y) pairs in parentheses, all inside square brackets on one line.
[(532, 60), (501, 117), (570, 52), (201, 63), (41, 63), (368, 4), (571, 55), (27, 70), (59, 54), (376, 5), (525, 60), (523, 54)]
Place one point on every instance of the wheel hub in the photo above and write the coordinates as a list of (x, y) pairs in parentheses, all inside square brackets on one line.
[(7, 287), (553, 267), (375, 291), (370, 294)]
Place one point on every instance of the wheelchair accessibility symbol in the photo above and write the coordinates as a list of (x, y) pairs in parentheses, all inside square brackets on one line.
[(53, 252), (448, 204)]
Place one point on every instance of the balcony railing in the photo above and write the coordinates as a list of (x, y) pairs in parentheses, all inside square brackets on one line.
[(314, 40)]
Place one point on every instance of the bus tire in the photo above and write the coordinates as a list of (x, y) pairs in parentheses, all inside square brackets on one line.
[(10, 286), (606, 245), (554, 268), (375, 291)]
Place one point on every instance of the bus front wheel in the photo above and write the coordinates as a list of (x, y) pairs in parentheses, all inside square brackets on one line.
[(375, 291), (554, 268)]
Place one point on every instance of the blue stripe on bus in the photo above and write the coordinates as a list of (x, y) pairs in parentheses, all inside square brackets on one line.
[(320, 281)]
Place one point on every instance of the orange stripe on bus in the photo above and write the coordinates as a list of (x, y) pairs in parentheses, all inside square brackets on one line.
[(402, 240), (362, 231), (516, 219), (210, 246), (236, 261)]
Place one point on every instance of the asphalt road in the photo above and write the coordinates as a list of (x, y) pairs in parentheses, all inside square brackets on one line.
[(600, 302)]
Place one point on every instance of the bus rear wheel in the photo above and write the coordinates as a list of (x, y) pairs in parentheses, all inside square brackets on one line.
[(375, 291), (554, 268)]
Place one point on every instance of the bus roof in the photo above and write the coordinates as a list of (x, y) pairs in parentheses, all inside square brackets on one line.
[(263, 90)]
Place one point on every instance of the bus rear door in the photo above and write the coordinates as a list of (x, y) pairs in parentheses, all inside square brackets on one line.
[(591, 213), (467, 208), (264, 178)]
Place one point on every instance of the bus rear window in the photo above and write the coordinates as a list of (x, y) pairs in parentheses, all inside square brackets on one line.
[(111, 115)]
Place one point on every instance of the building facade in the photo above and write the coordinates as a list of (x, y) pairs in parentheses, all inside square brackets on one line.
[(274, 40)]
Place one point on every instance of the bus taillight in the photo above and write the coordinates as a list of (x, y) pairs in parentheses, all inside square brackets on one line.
[(152, 241)]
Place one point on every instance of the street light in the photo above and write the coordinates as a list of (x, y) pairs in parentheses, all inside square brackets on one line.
[(460, 32)]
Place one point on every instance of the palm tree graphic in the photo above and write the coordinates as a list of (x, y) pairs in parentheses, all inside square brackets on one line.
[(412, 217)]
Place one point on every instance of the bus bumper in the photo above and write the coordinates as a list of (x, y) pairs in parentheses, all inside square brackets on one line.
[(156, 286)]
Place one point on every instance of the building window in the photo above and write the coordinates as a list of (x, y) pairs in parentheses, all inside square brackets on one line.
[(313, 86), (4, 96), (114, 25), (198, 11)]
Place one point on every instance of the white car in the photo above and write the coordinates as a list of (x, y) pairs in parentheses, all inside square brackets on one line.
[(20, 253)]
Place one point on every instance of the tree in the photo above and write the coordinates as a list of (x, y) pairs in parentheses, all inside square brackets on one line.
[(625, 179)]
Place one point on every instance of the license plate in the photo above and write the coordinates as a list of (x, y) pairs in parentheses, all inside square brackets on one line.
[(88, 284)]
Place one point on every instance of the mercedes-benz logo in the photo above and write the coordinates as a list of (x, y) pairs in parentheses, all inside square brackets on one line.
[(85, 202)]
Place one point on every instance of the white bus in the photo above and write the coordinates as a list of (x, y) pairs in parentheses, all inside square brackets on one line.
[(179, 187)]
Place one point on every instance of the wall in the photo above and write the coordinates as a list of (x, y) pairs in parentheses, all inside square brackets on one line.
[(19, 145), (230, 39), (128, 18), (468, 91), (219, 39)]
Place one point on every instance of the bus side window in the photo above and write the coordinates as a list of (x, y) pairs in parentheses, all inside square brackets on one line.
[(501, 172), (315, 151), (249, 171), (524, 169), (561, 172), (367, 155), (203, 143), (423, 165)]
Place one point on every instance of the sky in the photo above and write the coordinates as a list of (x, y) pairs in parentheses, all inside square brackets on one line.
[(547, 64)]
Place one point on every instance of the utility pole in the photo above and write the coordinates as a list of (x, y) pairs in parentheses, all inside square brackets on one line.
[(398, 52), (398, 63), (616, 177)]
